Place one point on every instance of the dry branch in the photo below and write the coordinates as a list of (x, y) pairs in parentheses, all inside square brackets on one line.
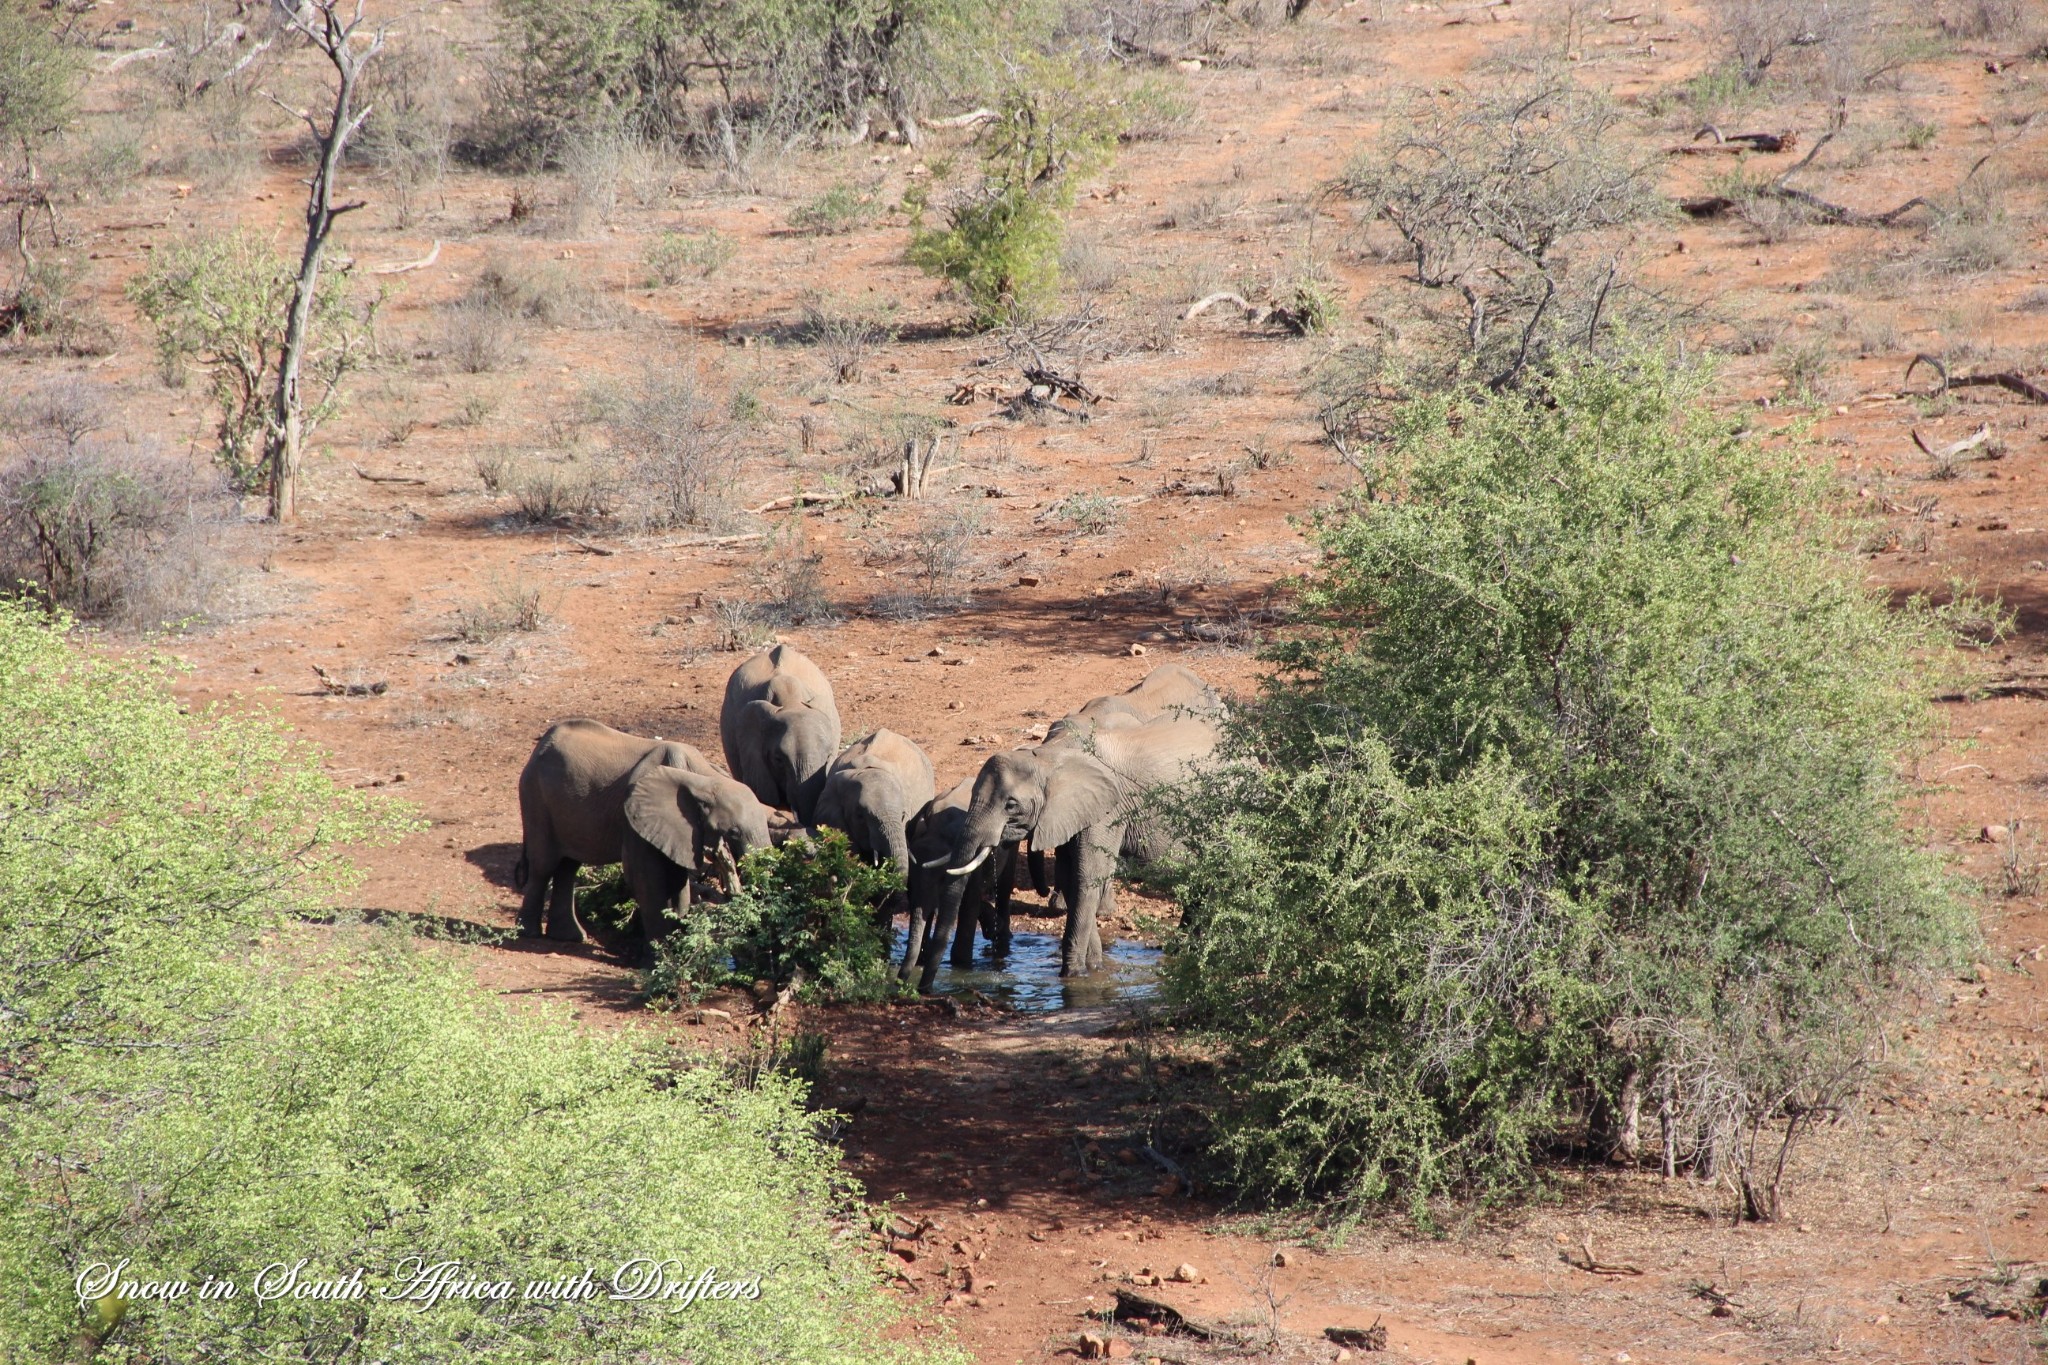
[(368, 477), (793, 500), (966, 120), (2009, 380), (591, 547), (1177, 1321), (335, 687), (1950, 451), (406, 267), (1202, 306)]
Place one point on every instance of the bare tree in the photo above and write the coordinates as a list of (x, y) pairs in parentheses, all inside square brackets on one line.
[(322, 23)]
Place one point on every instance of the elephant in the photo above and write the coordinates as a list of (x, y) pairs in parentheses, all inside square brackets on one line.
[(780, 729), (1080, 796), (871, 792), (592, 794), (936, 900), (1169, 689)]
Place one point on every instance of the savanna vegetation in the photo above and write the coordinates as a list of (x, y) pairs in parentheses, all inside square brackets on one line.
[(197, 1088), (1572, 816)]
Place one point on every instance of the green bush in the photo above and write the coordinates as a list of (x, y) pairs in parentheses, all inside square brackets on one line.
[(222, 299), (810, 914), (198, 1091), (839, 210), (1577, 798), (1056, 122)]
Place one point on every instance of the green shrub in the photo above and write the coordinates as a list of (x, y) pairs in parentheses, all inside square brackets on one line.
[(840, 209), (810, 914), (222, 299), (676, 255), (1578, 798), (1001, 244), (196, 1092)]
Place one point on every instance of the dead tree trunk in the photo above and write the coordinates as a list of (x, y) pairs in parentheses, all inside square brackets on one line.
[(321, 22), (918, 459)]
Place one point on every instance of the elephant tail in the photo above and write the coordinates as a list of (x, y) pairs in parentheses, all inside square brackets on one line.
[(522, 871)]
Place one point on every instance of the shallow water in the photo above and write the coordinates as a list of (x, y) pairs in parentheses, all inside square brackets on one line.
[(1028, 976)]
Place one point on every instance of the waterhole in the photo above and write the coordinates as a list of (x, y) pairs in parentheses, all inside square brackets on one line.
[(1028, 976)]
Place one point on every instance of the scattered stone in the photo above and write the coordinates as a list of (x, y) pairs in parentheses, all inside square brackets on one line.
[(1373, 1338), (1281, 1258), (708, 1014), (1027, 580), (952, 706), (1119, 1349), (936, 652), (1092, 1346), (1187, 1274), (1136, 651), (1993, 834)]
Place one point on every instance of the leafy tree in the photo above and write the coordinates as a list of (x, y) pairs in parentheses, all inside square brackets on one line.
[(39, 78), (224, 300), (1577, 797), (1057, 121), (199, 1089)]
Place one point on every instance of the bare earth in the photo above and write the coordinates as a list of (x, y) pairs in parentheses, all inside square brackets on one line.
[(1013, 1138)]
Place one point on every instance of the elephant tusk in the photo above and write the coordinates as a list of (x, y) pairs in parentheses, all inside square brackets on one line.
[(979, 859), (731, 867), (939, 861)]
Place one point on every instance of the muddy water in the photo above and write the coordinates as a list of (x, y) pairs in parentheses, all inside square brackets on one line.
[(1028, 977)]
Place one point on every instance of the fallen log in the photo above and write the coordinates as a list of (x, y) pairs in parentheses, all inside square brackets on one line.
[(1201, 306), (1737, 142), (406, 267), (591, 547), (1373, 1338), (1954, 448), (793, 500), (1177, 1321), (368, 477), (334, 687), (2009, 380)]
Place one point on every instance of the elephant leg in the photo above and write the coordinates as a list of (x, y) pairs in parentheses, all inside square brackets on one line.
[(534, 897), (973, 891), (1005, 884), (947, 922), (1034, 862), (563, 926), (915, 936), (1093, 861)]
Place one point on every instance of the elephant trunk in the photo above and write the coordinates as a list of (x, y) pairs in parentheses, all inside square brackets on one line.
[(889, 833), (728, 865), (982, 832)]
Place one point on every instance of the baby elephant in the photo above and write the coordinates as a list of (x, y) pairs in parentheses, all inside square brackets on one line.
[(592, 794), (871, 792)]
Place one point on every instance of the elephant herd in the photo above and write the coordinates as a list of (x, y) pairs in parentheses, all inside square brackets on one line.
[(594, 795)]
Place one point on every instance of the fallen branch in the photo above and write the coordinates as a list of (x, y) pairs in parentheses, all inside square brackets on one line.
[(367, 477), (1950, 451), (1177, 1321), (1202, 306), (966, 120), (793, 500), (1593, 1266), (1738, 142), (701, 542), (1040, 377), (592, 548), (334, 687), (406, 267), (2008, 380), (1168, 1165), (140, 54)]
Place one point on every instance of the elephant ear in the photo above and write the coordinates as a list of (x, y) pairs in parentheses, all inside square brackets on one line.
[(654, 811), (1079, 793)]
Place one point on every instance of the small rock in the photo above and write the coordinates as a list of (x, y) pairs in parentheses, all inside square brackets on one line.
[(1343, 1354), (1187, 1274), (1806, 1227), (1136, 651), (1119, 1349), (1027, 580), (959, 663), (709, 1014), (952, 706), (1993, 834), (1282, 1258), (1092, 1346), (936, 652), (1126, 1156)]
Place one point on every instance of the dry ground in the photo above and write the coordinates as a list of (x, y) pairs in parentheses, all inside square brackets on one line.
[(1912, 1221)]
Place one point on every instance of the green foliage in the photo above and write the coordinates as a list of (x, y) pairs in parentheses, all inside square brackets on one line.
[(840, 209), (677, 255), (221, 299), (1578, 794), (142, 842), (699, 70), (810, 913), (197, 1091), (38, 77), (1056, 122)]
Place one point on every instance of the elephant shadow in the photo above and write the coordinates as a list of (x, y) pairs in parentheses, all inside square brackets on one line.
[(496, 862)]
